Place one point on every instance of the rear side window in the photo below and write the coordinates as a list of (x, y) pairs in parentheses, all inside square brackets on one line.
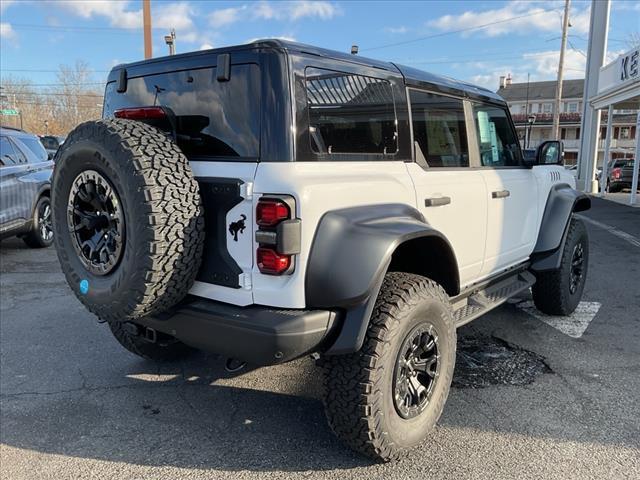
[(350, 114), (498, 142), (7, 154), (34, 145), (439, 132), (212, 118)]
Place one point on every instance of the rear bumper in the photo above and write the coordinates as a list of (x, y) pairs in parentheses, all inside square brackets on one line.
[(255, 334)]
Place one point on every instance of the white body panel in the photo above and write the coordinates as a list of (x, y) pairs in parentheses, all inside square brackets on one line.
[(464, 220), (512, 221), (487, 234), (319, 187)]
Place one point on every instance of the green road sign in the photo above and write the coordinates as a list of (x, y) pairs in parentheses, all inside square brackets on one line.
[(9, 111)]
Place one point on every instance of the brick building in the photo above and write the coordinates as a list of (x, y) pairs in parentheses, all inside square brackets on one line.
[(537, 98)]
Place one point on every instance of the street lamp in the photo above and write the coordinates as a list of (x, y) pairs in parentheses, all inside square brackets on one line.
[(170, 40), (531, 119)]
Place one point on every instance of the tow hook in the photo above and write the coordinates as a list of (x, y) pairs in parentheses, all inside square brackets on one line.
[(233, 365), (148, 333)]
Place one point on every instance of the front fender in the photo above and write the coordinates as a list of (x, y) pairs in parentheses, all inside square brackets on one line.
[(349, 257), (563, 200)]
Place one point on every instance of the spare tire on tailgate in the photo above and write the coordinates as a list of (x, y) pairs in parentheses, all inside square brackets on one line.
[(128, 219)]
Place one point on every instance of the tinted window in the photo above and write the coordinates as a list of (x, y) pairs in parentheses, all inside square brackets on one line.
[(21, 157), (212, 118), (7, 154), (439, 133), (50, 142), (34, 145), (497, 141), (350, 114)]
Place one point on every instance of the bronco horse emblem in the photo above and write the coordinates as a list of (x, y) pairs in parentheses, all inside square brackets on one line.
[(239, 226)]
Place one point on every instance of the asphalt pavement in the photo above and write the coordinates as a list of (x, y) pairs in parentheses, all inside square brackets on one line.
[(529, 400)]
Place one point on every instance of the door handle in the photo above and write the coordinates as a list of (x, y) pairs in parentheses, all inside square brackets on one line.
[(500, 194), (437, 201)]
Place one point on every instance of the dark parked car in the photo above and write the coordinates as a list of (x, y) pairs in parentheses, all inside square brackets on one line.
[(51, 144), (25, 185), (620, 175)]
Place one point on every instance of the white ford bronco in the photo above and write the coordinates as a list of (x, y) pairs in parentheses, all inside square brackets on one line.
[(275, 200)]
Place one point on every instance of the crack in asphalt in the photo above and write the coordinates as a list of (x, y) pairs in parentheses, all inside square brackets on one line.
[(99, 389)]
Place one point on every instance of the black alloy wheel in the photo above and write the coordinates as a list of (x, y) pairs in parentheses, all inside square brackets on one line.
[(577, 267), (96, 222), (417, 370)]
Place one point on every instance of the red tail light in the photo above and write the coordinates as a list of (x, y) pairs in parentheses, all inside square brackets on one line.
[(140, 113), (271, 262), (615, 173), (271, 212)]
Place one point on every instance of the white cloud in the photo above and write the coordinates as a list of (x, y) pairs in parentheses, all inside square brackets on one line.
[(532, 18), (5, 3), (118, 13), (323, 10), (224, 17), (6, 31), (544, 65), (286, 38), (206, 46), (626, 5), (396, 30), (123, 14), (173, 15), (280, 11)]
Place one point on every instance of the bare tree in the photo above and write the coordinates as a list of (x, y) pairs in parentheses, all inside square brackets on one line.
[(75, 97)]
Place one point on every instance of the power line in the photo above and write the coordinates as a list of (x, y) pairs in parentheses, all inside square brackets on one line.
[(64, 84), (524, 55), (77, 28), (40, 71), (451, 32), (54, 94), (19, 104)]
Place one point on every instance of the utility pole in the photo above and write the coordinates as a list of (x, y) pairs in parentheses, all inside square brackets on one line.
[(146, 23), (556, 106)]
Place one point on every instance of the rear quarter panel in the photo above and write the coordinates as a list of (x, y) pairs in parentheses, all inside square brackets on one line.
[(319, 187)]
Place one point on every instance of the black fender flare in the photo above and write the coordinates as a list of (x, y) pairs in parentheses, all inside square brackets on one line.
[(562, 202), (350, 254)]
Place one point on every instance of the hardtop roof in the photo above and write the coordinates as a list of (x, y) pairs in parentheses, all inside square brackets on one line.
[(412, 76)]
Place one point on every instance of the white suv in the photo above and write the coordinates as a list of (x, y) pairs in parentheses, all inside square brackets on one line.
[(273, 200)]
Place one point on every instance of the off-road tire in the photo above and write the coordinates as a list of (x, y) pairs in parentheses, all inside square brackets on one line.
[(163, 217), (551, 292), (358, 396), (34, 238), (164, 349)]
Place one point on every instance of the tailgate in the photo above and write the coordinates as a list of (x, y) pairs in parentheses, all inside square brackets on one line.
[(226, 190)]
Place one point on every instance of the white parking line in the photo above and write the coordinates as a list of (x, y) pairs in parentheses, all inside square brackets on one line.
[(612, 230), (573, 325)]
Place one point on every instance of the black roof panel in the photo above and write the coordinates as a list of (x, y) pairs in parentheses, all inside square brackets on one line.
[(413, 76)]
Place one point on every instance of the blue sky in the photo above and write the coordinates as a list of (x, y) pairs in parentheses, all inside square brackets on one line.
[(41, 35)]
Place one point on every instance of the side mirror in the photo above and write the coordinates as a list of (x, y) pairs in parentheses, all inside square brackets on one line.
[(550, 153)]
